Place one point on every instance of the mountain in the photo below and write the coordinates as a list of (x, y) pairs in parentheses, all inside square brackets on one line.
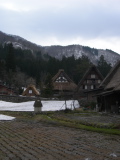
[(78, 50), (18, 42), (60, 51)]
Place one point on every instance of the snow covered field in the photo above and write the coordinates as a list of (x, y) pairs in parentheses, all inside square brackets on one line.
[(28, 106), (4, 117)]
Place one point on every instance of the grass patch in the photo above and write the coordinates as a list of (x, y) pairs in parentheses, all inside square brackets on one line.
[(63, 119), (51, 119), (89, 128)]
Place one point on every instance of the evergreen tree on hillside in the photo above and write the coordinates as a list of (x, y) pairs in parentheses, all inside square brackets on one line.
[(52, 65), (39, 65), (69, 65), (2, 70), (49, 86), (82, 64), (103, 66), (10, 59)]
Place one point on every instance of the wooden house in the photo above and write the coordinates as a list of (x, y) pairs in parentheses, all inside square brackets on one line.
[(62, 84), (89, 83), (5, 90), (109, 99), (31, 91)]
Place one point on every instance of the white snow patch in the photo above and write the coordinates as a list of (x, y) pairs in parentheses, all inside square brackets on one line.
[(113, 155), (47, 105), (6, 118)]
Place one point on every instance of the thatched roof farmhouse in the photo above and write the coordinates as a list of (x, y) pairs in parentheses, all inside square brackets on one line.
[(62, 84), (90, 81), (31, 91), (109, 98)]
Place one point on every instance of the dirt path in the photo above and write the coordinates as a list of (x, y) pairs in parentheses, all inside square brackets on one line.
[(23, 140)]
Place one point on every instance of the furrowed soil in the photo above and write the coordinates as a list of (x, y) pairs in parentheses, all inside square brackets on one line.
[(22, 139)]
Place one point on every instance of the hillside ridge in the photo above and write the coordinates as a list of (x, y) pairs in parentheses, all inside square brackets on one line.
[(59, 51)]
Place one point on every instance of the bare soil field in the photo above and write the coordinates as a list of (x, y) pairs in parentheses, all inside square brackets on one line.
[(35, 140)]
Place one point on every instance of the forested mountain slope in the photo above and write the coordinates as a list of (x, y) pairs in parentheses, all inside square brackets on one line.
[(60, 51)]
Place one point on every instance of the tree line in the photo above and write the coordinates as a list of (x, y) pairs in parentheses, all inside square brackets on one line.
[(20, 67)]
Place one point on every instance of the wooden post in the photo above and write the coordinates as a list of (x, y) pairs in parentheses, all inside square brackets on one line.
[(65, 105)]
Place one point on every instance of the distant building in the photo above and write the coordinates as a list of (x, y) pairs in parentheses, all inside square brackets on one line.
[(5, 90), (31, 91), (109, 99), (89, 83), (62, 84)]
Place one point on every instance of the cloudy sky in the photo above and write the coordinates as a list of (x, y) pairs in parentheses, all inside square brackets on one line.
[(94, 23)]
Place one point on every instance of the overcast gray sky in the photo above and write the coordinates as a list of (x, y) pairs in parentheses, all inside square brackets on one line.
[(94, 23)]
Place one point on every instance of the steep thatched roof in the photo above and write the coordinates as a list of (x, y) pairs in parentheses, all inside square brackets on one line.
[(93, 67), (33, 88), (61, 81), (112, 80)]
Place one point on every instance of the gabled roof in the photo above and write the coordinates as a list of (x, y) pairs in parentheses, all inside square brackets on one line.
[(93, 67), (112, 80), (61, 72), (33, 88), (68, 84)]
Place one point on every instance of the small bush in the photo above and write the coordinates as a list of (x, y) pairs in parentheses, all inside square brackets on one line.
[(67, 110), (90, 105)]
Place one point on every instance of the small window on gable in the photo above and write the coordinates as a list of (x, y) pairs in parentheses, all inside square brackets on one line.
[(30, 91), (84, 86), (87, 80), (99, 81), (92, 75), (92, 87), (61, 79)]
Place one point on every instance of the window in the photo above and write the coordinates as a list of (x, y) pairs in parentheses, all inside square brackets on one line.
[(99, 81), (92, 87), (84, 86), (61, 79), (92, 75), (30, 91)]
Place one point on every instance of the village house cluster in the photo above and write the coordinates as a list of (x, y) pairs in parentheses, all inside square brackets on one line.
[(92, 88)]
